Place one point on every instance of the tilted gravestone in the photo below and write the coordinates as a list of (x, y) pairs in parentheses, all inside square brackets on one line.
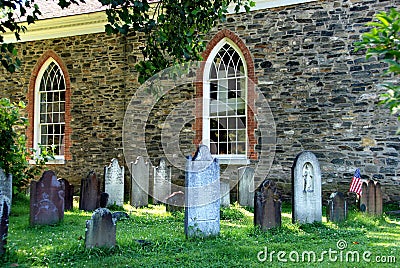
[(46, 200), (267, 206), (162, 182), (114, 183), (336, 210), (140, 183), (6, 185), (68, 194), (5, 205), (202, 197), (246, 186), (101, 229), (175, 202), (371, 198), (225, 193), (90, 192), (306, 183)]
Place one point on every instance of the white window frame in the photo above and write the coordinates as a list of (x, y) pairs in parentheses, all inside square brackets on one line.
[(223, 158), (58, 159)]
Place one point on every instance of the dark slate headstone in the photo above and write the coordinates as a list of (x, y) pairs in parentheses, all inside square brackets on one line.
[(175, 202), (202, 196), (114, 183), (6, 185), (104, 199), (140, 183), (267, 206), (306, 183), (47, 200), (162, 182), (5, 205), (336, 211), (364, 197), (246, 186), (68, 194), (90, 192), (101, 229), (378, 199)]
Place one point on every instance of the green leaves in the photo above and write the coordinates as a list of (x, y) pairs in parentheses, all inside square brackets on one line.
[(383, 42)]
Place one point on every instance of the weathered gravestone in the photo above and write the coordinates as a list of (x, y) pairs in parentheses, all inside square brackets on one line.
[(162, 182), (5, 205), (6, 185), (46, 200), (371, 198), (225, 193), (114, 183), (90, 192), (100, 229), (306, 183), (103, 200), (246, 186), (140, 183), (175, 202), (267, 206), (202, 197), (68, 194), (336, 210)]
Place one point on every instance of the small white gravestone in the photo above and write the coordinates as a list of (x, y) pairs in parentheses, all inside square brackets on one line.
[(6, 186), (246, 186), (306, 180), (140, 183), (202, 196), (114, 183), (162, 182), (225, 193)]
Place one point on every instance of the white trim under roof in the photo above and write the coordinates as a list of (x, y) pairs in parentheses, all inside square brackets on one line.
[(265, 4), (61, 27)]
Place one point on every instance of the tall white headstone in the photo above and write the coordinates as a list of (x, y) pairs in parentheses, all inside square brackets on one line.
[(162, 182), (202, 196), (140, 183), (306, 182), (6, 185), (114, 183), (246, 186)]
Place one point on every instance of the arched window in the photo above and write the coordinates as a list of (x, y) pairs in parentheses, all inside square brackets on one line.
[(225, 102), (50, 108)]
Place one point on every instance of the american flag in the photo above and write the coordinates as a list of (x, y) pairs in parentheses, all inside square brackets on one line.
[(356, 183)]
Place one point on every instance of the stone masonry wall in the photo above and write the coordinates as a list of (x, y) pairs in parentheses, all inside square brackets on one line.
[(322, 94)]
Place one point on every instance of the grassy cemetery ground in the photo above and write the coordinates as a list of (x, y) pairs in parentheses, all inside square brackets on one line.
[(153, 237)]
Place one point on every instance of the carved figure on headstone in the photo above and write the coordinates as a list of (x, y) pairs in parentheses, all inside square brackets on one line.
[(308, 177)]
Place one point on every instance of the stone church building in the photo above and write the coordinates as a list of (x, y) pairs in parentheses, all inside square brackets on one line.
[(297, 56)]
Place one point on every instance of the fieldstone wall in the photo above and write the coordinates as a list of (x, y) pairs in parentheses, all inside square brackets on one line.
[(323, 96)]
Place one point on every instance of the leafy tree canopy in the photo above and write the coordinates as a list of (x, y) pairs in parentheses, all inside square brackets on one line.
[(173, 29), (383, 42)]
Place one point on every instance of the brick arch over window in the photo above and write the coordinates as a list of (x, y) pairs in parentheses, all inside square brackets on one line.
[(251, 122), (31, 101)]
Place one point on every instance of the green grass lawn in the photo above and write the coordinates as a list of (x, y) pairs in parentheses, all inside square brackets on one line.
[(238, 245)]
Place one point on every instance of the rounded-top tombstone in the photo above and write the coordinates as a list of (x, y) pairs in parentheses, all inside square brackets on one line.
[(306, 184)]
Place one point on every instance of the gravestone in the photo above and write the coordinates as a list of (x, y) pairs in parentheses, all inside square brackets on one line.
[(378, 199), (246, 186), (202, 197), (371, 198), (100, 229), (225, 193), (267, 206), (175, 202), (68, 194), (114, 183), (336, 210), (104, 200), (140, 183), (306, 183), (6, 185), (90, 192), (364, 196), (162, 182), (5, 205), (46, 200)]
